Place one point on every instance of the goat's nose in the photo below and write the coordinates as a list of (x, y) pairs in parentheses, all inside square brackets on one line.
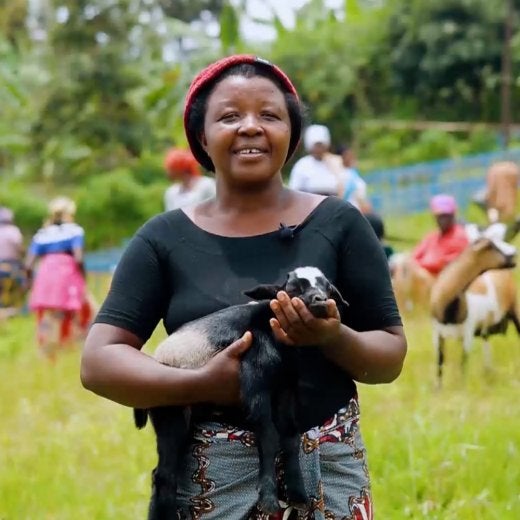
[(318, 298)]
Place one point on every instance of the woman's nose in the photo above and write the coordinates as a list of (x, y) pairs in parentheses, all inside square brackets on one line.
[(250, 125)]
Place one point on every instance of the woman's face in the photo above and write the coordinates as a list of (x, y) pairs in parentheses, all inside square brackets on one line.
[(246, 129)]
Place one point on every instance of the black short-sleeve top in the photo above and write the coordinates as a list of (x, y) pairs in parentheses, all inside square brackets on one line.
[(174, 271)]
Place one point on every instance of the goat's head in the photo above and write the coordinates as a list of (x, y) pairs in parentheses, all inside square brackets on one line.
[(493, 254), (307, 283)]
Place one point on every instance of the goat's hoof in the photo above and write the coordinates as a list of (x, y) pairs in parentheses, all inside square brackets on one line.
[(297, 498), (299, 506)]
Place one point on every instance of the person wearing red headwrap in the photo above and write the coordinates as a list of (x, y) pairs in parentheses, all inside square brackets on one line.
[(189, 186)]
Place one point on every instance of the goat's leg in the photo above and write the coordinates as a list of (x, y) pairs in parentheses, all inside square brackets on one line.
[(486, 351), (290, 440), (438, 345), (467, 341), (514, 317), (268, 443), (260, 365), (171, 428), (440, 360)]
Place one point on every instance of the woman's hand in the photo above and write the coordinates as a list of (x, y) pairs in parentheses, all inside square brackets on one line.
[(221, 373), (294, 324)]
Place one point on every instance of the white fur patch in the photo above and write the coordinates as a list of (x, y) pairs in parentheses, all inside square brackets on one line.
[(186, 348), (505, 248), (309, 273)]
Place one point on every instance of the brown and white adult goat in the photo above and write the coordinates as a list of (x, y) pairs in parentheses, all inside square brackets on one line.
[(474, 295)]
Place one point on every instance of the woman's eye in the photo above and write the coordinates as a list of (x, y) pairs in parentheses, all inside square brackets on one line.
[(269, 115), (231, 116)]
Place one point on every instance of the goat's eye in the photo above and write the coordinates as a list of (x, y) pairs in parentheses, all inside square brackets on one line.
[(293, 287)]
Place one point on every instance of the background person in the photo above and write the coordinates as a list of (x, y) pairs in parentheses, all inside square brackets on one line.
[(319, 171), (12, 272), (354, 187), (243, 121), (414, 274), (58, 292), (189, 185), (378, 225)]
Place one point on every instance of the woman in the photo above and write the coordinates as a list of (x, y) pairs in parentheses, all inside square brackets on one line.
[(12, 273), (320, 171), (189, 185), (58, 289), (243, 121)]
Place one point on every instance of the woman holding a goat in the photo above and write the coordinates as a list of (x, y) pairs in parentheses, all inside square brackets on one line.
[(243, 121)]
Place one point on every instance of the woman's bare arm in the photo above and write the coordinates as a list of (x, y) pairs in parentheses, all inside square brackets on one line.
[(375, 356), (114, 367)]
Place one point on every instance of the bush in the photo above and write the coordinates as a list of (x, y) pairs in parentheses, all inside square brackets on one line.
[(29, 209), (112, 206)]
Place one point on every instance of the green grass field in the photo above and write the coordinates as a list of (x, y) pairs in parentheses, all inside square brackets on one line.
[(452, 454)]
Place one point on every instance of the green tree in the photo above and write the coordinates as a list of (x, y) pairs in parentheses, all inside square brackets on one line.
[(447, 55), (333, 58), (190, 10)]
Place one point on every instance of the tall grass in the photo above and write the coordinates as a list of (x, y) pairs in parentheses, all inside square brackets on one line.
[(450, 454)]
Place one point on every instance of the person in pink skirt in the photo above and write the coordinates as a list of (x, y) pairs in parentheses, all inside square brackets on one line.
[(58, 292)]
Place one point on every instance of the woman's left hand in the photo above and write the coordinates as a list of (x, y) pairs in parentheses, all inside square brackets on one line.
[(294, 324)]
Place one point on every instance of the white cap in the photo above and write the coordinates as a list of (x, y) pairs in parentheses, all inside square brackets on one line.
[(316, 134)]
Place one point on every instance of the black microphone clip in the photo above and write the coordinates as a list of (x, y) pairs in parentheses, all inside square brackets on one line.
[(286, 232)]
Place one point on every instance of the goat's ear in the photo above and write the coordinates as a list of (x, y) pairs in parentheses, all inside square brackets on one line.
[(336, 296), (263, 292)]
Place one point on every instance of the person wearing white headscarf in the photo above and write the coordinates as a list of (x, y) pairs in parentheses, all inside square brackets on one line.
[(320, 171)]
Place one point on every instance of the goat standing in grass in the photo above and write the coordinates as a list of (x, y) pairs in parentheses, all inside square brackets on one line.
[(268, 387), (465, 303)]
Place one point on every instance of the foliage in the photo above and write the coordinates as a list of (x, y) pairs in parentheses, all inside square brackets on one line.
[(382, 147), (448, 54), (115, 206), (88, 87), (331, 60), (13, 14), (87, 120), (29, 207), (189, 10)]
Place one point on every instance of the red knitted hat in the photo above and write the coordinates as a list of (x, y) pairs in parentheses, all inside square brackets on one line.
[(208, 76)]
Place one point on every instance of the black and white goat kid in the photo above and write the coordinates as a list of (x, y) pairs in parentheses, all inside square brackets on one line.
[(268, 385)]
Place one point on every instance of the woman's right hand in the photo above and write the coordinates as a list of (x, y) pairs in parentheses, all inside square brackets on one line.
[(221, 374)]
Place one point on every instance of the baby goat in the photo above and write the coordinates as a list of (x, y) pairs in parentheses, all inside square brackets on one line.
[(268, 383)]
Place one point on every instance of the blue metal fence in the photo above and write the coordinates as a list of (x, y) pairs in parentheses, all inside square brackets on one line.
[(103, 261), (408, 189)]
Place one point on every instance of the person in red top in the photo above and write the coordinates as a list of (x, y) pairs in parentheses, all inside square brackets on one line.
[(440, 247), (414, 275)]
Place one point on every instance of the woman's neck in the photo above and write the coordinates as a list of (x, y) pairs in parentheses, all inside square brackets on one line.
[(246, 212), (251, 199)]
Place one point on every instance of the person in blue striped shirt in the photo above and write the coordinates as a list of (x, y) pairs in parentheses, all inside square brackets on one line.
[(58, 291)]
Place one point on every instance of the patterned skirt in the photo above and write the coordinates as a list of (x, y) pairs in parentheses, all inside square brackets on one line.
[(221, 471), (12, 284)]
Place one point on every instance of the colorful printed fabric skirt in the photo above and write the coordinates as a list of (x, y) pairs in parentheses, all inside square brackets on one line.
[(222, 470), (12, 284)]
